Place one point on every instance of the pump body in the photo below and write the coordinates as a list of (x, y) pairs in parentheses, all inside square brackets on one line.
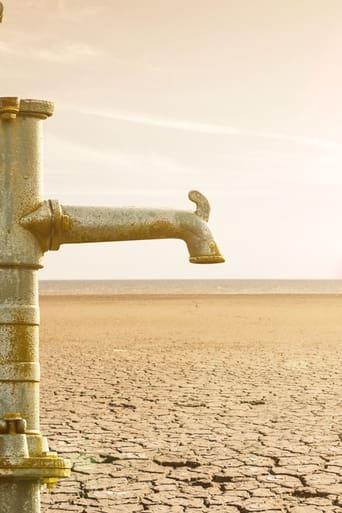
[(30, 226), (25, 460)]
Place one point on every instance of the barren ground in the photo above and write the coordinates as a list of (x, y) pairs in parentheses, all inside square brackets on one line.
[(184, 404)]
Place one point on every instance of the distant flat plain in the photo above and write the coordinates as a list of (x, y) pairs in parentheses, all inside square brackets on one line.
[(170, 403), (191, 287)]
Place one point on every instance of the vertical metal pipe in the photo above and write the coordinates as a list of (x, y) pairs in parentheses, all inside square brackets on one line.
[(20, 258), (19, 496), (19, 358)]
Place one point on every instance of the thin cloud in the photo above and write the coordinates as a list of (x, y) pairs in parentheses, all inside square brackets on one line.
[(68, 52), (84, 155), (188, 126), (212, 129)]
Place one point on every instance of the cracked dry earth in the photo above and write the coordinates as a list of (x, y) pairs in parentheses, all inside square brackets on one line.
[(189, 404)]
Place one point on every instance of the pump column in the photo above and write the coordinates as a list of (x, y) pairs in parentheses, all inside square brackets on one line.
[(25, 462)]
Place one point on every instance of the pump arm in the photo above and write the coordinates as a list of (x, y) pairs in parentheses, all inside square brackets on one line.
[(54, 224)]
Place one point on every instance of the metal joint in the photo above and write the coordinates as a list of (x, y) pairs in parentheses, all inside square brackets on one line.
[(9, 107), (12, 106), (60, 222), (24, 455), (12, 424), (47, 223)]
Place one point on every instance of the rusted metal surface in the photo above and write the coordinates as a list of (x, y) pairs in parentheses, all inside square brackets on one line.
[(25, 460), (55, 224)]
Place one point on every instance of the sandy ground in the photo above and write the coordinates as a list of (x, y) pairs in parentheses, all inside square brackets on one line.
[(194, 404)]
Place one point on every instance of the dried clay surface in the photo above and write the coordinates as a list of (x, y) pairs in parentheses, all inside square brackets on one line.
[(189, 404)]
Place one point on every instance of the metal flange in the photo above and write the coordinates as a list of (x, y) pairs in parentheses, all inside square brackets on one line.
[(12, 106), (16, 462), (48, 467)]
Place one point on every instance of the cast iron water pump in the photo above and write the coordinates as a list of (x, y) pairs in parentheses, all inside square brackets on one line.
[(30, 226)]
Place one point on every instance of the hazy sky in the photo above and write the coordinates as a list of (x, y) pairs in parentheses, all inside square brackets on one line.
[(240, 99)]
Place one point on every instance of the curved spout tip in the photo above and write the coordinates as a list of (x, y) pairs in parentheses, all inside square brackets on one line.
[(213, 256), (207, 259)]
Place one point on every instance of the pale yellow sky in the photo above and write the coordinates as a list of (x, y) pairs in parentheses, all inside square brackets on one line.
[(240, 99)]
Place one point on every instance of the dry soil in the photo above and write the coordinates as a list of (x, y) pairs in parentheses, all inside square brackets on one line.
[(189, 404)]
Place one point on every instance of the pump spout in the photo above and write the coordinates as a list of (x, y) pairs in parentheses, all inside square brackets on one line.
[(54, 225)]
